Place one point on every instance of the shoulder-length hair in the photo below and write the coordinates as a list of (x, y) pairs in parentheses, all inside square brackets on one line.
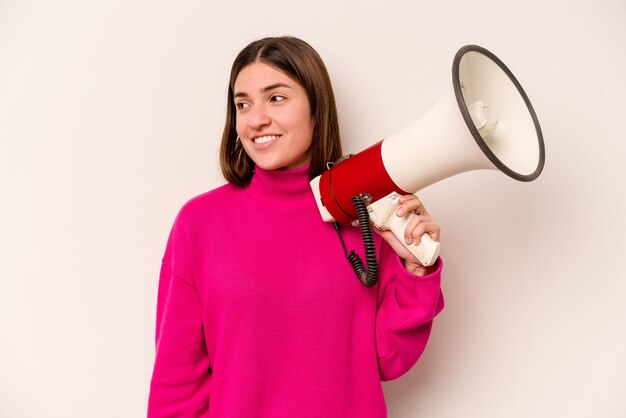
[(298, 60)]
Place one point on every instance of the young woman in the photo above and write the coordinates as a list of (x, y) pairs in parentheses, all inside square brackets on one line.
[(259, 313)]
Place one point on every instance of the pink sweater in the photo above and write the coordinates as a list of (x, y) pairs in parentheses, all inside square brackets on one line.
[(259, 314)]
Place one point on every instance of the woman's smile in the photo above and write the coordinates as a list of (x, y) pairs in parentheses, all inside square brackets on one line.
[(264, 141)]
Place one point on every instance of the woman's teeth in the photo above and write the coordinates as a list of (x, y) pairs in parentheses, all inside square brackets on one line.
[(264, 139)]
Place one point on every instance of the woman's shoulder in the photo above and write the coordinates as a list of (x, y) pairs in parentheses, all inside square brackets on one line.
[(212, 196), (208, 202)]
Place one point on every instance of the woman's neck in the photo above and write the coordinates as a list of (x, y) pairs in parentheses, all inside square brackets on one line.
[(284, 186)]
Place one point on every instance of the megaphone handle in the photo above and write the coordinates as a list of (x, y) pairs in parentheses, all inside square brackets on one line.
[(383, 216), (426, 251)]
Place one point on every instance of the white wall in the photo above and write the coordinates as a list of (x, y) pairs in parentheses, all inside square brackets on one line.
[(110, 117)]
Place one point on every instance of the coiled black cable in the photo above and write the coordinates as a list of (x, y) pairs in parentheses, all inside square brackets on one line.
[(368, 276)]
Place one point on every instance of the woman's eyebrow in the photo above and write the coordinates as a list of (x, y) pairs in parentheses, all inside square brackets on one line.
[(264, 89), (275, 86)]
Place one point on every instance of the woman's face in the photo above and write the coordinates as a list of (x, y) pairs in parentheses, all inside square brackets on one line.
[(273, 117)]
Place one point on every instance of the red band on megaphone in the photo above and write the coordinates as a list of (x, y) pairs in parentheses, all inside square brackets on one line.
[(363, 173)]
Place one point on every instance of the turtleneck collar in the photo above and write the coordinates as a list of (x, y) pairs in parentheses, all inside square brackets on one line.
[(288, 186)]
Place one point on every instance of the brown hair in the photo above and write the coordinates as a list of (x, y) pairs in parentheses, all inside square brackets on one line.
[(301, 62)]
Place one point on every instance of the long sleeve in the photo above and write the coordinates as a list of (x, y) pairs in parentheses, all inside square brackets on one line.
[(407, 305), (181, 378)]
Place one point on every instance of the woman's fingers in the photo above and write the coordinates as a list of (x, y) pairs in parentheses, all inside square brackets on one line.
[(410, 203), (414, 230), (419, 224)]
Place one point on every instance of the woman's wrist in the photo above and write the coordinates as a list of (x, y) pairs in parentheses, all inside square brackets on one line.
[(418, 269)]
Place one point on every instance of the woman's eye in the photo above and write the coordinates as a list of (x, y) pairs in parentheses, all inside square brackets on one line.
[(278, 98), (242, 105)]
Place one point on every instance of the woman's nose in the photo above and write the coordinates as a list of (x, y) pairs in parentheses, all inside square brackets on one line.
[(259, 117)]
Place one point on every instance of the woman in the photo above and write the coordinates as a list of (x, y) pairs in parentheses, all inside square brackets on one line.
[(259, 314)]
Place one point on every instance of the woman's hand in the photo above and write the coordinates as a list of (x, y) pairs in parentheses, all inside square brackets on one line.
[(419, 224)]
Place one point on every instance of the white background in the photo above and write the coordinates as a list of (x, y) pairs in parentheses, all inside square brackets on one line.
[(110, 119)]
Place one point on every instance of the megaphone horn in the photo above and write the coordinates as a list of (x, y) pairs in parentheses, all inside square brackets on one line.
[(485, 121)]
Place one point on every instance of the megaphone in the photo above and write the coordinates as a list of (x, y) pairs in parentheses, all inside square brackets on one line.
[(485, 121)]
